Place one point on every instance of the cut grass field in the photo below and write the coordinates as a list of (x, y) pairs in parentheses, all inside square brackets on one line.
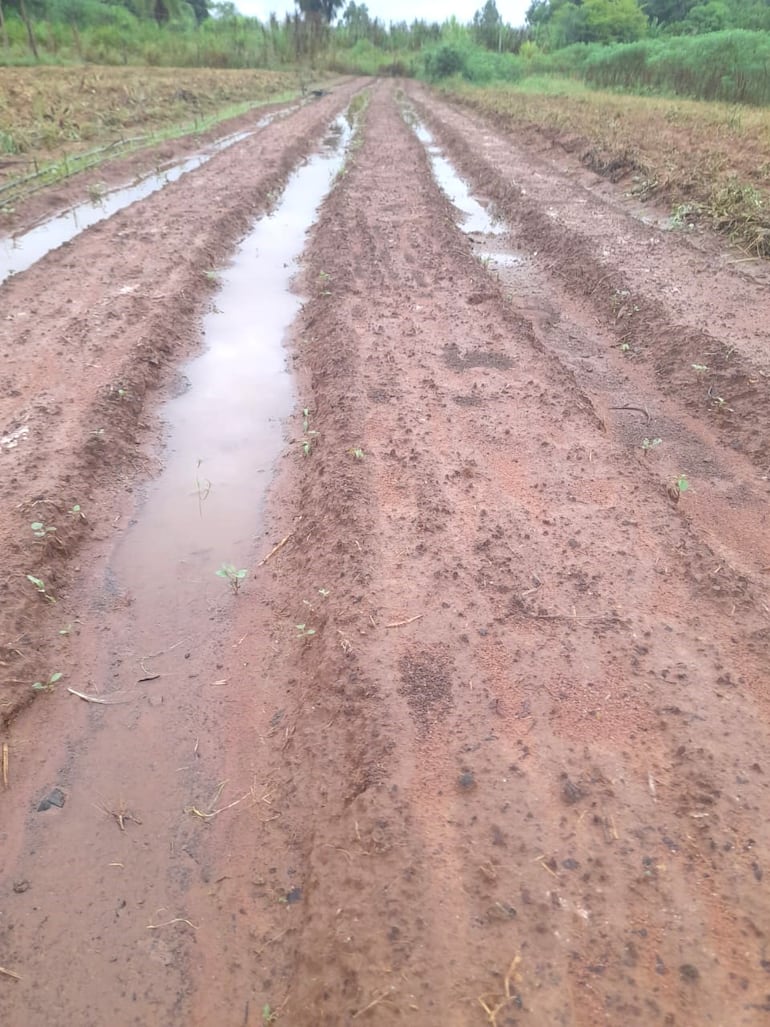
[(709, 161), (57, 118)]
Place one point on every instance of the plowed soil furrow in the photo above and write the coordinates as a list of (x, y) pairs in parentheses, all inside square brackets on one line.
[(89, 334), (511, 745), (484, 739)]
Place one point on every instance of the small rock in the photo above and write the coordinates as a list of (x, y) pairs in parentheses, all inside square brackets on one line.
[(570, 792), (294, 895), (466, 782), (570, 864), (688, 972), (54, 798), (20, 887)]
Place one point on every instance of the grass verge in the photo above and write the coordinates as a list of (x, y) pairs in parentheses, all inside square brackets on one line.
[(710, 162)]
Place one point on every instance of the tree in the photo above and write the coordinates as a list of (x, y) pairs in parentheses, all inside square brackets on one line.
[(319, 10), (488, 26), (356, 20), (612, 21), (667, 11)]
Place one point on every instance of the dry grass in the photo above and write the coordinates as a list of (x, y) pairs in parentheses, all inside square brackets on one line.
[(708, 161), (48, 112)]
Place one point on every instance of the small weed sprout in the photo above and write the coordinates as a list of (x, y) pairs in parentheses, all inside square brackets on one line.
[(682, 484), (268, 1014), (625, 347), (96, 192), (303, 631), (324, 593), (648, 444), (700, 368), (310, 435), (43, 531), (719, 402), (232, 576), (119, 392), (357, 453), (41, 587), (47, 686)]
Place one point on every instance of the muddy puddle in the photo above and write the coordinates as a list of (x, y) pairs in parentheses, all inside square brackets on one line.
[(19, 253), (225, 428), (476, 218)]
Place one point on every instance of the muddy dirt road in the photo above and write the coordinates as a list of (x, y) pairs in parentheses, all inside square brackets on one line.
[(482, 736)]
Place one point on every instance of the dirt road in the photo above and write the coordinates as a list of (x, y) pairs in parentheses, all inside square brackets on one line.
[(482, 738)]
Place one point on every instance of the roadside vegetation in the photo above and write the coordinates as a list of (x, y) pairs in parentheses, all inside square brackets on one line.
[(70, 118)]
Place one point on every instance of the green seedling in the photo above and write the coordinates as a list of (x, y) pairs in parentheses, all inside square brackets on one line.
[(648, 444), (268, 1015), (47, 686), (682, 484), (212, 275), (357, 453), (233, 576), (43, 531), (303, 631), (625, 347), (719, 402), (324, 593), (66, 630), (308, 442), (310, 434), (77, 512), (96, 192), (119, 392), (700, 368), (41, 588)]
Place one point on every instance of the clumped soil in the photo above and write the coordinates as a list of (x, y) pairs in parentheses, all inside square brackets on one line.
[(517, 773)]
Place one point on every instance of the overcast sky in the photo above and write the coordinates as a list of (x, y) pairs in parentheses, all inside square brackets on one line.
[(511, 11)]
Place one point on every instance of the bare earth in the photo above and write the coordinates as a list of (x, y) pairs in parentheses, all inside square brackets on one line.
[(519, 773)]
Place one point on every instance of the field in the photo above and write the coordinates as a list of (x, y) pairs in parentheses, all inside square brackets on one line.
[(401, 651)]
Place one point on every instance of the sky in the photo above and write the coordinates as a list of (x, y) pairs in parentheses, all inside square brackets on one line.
[(511, 11)]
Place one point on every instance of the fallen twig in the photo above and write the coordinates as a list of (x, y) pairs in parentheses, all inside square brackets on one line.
[(275, 549), (9, 973), (401, 623), (168, 923), (204, 815), (106, 701), (382, 997), (639, 410), (5, 764)]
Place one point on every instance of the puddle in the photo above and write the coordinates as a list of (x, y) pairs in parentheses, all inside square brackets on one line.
[(20, 253), (225, 431), (506, 259), (477, 218)]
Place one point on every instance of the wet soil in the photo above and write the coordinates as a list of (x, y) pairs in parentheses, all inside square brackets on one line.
[(484, 739)]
